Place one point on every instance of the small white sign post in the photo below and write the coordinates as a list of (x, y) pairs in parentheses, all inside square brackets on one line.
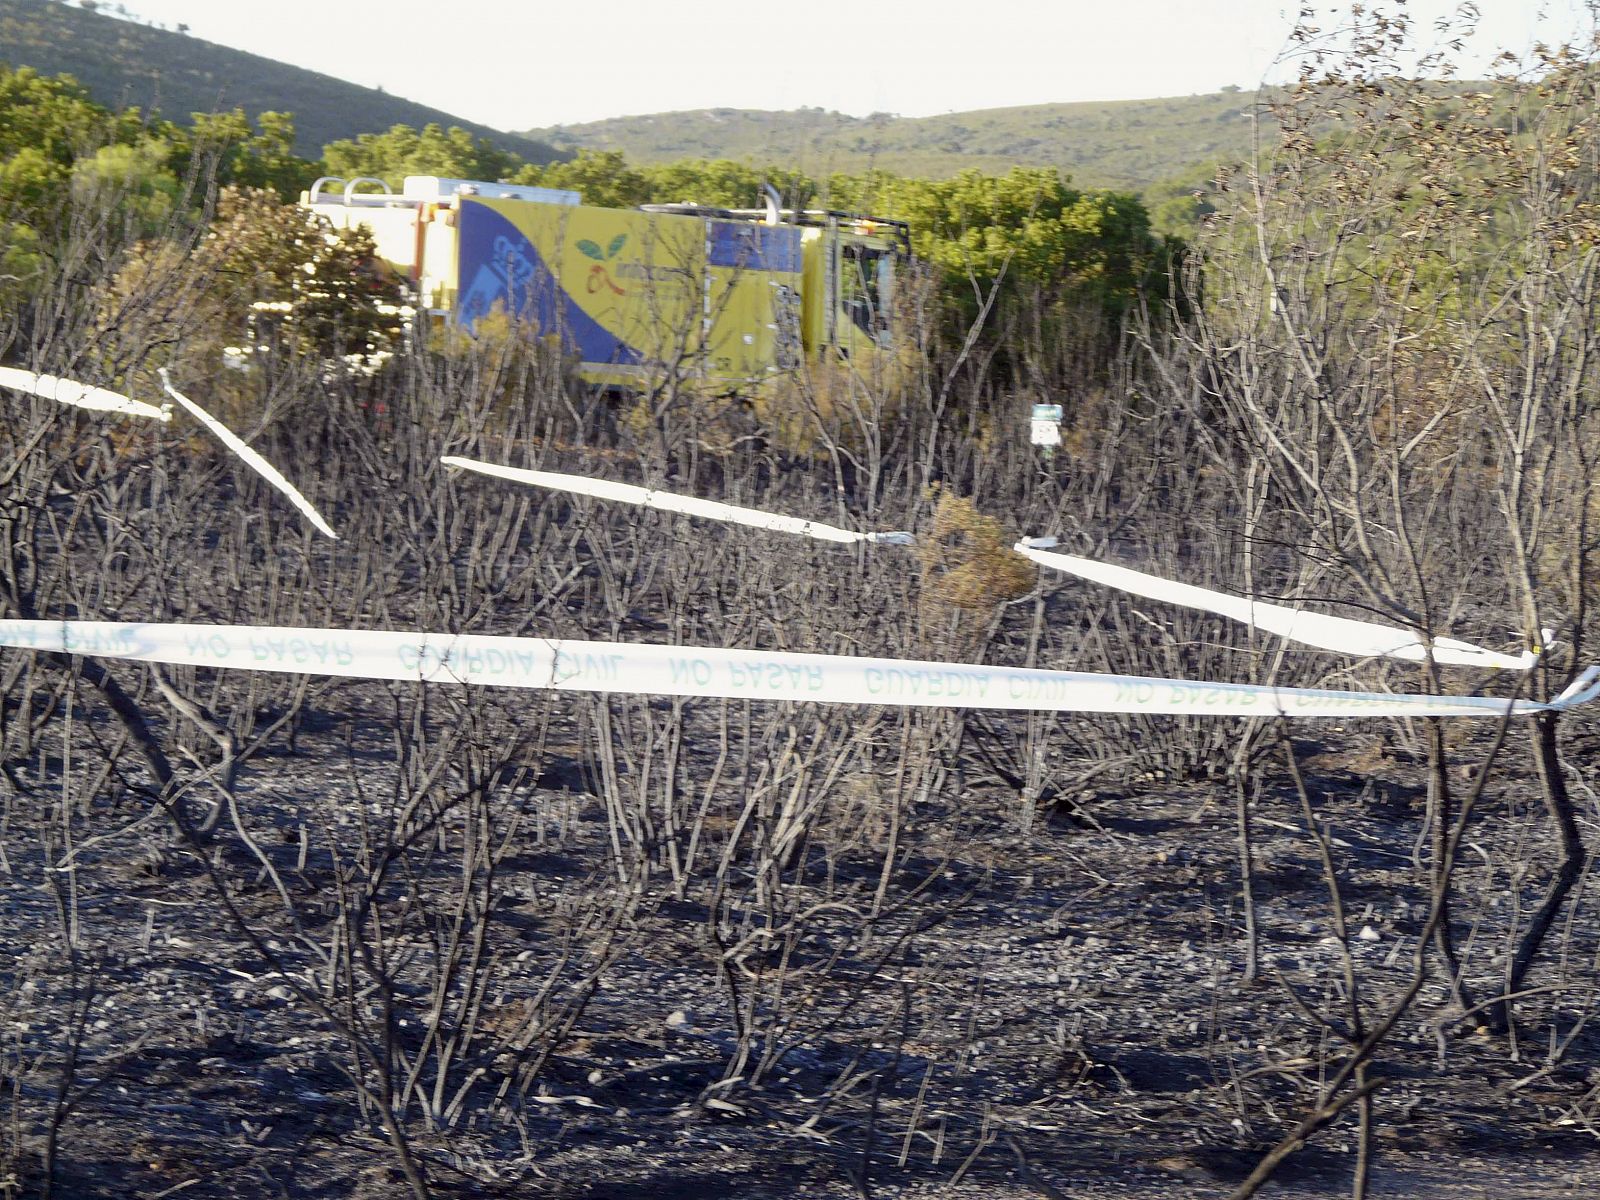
[(1047, 427)]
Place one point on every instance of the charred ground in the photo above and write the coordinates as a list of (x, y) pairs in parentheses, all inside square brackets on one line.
[(513, 943)]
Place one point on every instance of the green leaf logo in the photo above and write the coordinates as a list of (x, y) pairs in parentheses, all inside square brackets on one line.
[(592, 250)]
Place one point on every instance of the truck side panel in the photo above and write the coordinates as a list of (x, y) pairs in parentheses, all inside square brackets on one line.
[(633, 294)]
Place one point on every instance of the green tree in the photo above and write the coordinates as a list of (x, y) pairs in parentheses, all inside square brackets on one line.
[(53, 116), (1029, 225), (133, 179), (1024, 245), (603, 177), (245, 158), (403, 151), (727, 184), (29, 179), (52, 138), (1181, 205), (45, 125)]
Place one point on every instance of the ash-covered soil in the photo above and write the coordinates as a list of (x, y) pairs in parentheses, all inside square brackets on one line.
[(377, 940), (970, 995)]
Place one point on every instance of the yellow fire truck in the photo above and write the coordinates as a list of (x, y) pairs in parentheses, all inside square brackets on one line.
[(733, 297)]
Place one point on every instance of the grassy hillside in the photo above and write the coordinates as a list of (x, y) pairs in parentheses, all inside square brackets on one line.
[(122, 63), (1125, 144)]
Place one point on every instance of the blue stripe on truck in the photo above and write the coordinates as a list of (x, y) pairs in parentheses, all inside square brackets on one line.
[(497, 265), (749, 247)]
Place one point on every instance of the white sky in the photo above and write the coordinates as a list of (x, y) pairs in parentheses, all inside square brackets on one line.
[(520, 64)]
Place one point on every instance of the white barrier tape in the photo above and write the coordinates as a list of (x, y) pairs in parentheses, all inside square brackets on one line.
[(251, 459), (1365, 639), (582, 666), (79, 395), (690, 506), (1582, 690)]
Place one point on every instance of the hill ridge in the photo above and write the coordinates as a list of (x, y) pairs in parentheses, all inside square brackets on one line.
[(1129, 144), (175, 74)]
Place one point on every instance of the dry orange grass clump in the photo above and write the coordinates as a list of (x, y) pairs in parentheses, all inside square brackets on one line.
[(967, 560)]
